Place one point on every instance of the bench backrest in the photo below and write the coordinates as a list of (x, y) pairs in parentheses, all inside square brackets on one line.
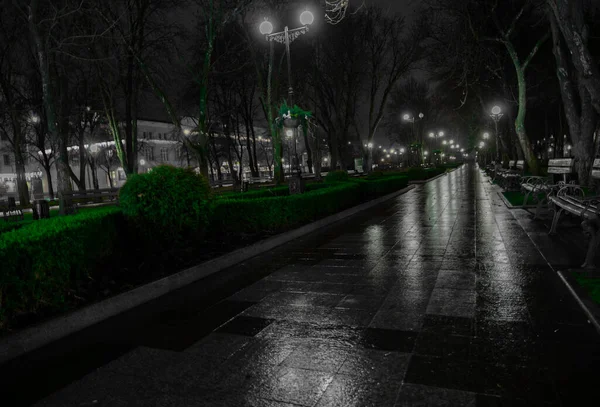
[(596, 169), (561, 166), (511, 164), (108, 191), (521, 165)]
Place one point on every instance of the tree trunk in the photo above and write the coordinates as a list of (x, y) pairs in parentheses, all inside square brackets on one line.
[(47, 168), (22, 188), (532, 161), (317, 154), (581, 117), (309, 161), (51, 118)]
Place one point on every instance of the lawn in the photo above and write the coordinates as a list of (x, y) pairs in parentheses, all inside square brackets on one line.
[(516, 198), (592, 286)]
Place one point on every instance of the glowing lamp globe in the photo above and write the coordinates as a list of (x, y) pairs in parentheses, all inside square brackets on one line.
[(266, 27), (496, 110), (441, 134), (306, 18), (406, 117), (431, 135)]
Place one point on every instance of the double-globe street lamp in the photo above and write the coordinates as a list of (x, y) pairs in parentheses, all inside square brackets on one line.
[(285, 37), (436, 135), (408, 118)]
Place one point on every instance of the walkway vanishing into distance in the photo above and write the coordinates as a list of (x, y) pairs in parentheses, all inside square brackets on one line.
[(438, 297)]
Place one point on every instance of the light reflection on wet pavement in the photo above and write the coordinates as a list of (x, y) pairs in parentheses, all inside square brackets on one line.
[(437, 298)]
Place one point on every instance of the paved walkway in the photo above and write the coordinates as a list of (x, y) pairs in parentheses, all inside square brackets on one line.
[(438, 298)]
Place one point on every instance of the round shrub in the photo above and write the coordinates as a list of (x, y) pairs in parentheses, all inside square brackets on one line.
[(336, 176), (168, 202)]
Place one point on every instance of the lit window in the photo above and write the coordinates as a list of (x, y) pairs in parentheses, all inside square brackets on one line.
[(164, 154)]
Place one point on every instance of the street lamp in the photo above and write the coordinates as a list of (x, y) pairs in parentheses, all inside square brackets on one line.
[(286, 37), (496, 116), (410, 119)]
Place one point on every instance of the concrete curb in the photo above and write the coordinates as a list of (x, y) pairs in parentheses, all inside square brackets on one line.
[(35, 337), (591, 309), (511, 206)]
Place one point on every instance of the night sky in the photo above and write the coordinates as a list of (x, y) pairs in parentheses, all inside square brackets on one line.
[(404, 6)]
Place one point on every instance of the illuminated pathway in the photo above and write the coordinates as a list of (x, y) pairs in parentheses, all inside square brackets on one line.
[(438, 297)]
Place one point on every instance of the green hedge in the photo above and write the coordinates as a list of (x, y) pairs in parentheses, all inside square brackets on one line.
[(336, 176), (382, 186), (42, 260), (170, 199), (279, 213), (12, 225), (421, 174)]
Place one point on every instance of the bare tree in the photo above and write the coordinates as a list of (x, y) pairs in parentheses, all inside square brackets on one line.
[(390, 54), (13, 95)]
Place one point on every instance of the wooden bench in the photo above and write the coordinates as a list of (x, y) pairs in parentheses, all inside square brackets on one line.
[(498, 171), (92, 195), (511, 179), (9, 210), (572, 199), (541, 187), (259, 180), (561, 166)]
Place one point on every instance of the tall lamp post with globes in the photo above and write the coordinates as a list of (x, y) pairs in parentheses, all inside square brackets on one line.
[(412, 119), (286, 37), (496, 115)]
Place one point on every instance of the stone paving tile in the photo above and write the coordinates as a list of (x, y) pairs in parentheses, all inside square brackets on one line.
[(438, 298), (422, 396)]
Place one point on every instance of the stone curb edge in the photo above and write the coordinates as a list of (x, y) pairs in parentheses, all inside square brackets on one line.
[(29, 339), (511, 206), (591, 309)]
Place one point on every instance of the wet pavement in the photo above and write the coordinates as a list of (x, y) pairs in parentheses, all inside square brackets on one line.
[(439, 297)]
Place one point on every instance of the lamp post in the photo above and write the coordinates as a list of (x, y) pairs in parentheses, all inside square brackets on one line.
[(286, 37), (496, 116), (407, 117), (436, 135)]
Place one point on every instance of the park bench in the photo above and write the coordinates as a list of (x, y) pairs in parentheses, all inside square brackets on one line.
[(86, 196), (541, 187), (511, 178), (499, 171), (9, 210), (572, 199)]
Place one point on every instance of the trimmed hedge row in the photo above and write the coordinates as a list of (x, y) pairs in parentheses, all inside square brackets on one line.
[(41, 261), (8, 226), (283, 212)]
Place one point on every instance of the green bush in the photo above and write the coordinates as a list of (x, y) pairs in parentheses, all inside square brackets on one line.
[(40, 262), (336, 176), (279, 213), (316, 185), (421, 174), (8, 226), (375, 175), (383, 186), (259, 193), (169, 203)]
